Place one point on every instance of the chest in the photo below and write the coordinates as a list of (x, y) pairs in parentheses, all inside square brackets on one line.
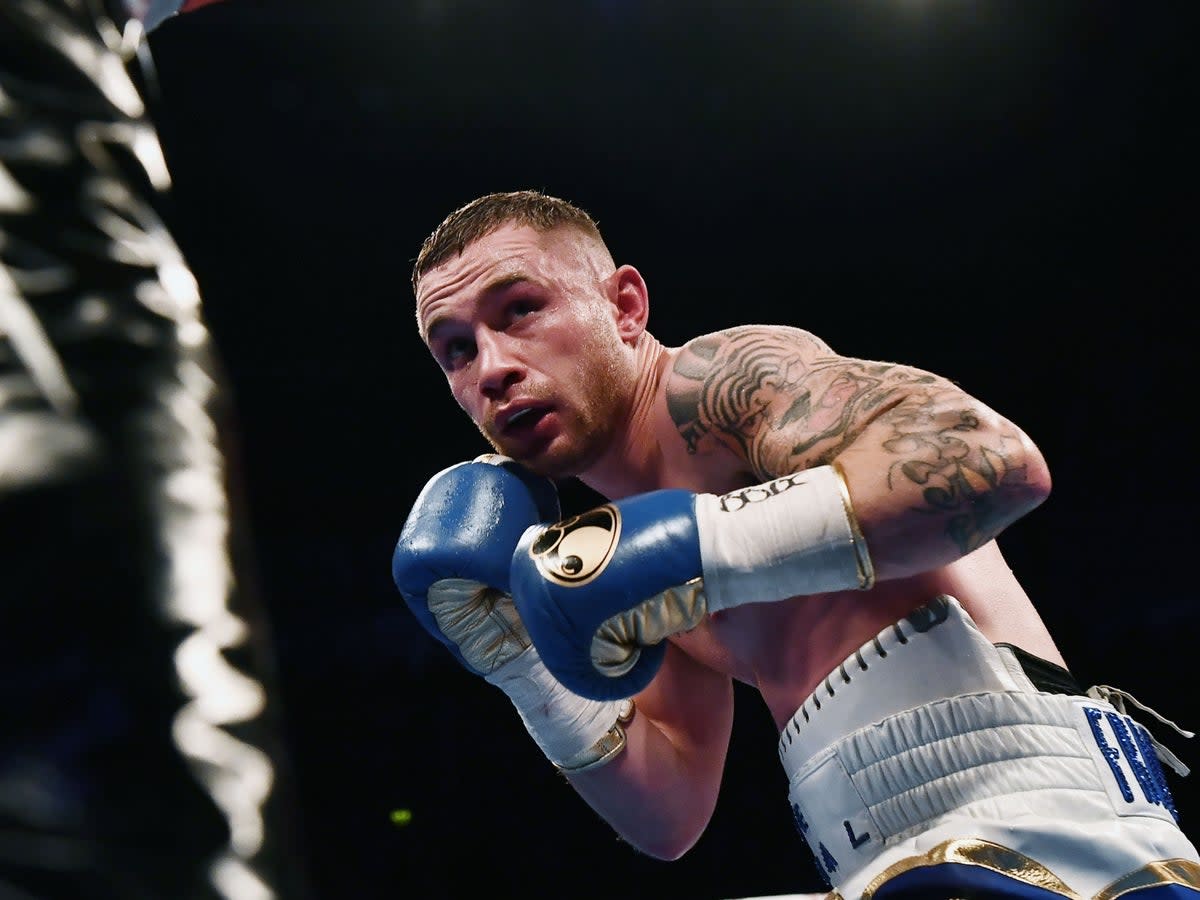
[(784, 649), (773, 647)]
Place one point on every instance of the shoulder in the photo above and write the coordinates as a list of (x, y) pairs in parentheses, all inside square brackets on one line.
[(704, 351), (745, 351), (715, 381)]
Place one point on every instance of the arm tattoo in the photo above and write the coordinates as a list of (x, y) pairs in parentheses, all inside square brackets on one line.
[(937, 449), (754, 387), (786, 403), (686, 387)]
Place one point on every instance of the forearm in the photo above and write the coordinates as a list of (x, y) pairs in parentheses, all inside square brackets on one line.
[(659, 793)]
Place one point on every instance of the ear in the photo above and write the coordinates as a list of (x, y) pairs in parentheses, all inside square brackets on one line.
[(631, 302)]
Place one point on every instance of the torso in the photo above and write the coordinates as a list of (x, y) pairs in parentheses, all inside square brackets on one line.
[(784, 649)]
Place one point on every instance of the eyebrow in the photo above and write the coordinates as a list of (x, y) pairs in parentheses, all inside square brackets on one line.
[(496, 285), (504, 281)]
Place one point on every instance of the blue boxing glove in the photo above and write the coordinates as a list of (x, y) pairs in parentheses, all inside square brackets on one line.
[(452, 563), (453, 557), (600, 592)]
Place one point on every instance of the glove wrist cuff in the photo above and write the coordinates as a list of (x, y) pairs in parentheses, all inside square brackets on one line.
[(606, 749), (792, 535), (575, 733)]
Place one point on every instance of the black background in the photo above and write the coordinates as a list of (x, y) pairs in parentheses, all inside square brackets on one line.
[(1004, 193)]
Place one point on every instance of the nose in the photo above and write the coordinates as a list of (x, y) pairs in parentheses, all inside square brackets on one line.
[(498, 367)]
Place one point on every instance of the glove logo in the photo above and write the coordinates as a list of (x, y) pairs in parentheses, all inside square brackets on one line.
[(743, 497), (574, 551)]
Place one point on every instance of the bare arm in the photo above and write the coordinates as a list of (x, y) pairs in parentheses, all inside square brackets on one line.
[(933, 472), (660, 793)]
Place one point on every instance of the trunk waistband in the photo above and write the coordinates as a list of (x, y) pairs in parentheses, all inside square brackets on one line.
[(934, 653)]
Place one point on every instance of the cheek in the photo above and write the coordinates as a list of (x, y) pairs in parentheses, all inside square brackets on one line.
[(603, 369), (462, 394)]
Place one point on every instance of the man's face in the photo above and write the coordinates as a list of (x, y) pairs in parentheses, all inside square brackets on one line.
[(523, 327)]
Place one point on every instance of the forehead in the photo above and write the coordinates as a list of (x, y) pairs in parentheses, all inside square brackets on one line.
[(511, 252)]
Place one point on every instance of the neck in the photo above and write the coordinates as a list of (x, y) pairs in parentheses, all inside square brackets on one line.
[(632, 462)]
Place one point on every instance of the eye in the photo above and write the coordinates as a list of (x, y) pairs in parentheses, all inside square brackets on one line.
[(456, 352), (521, 308)]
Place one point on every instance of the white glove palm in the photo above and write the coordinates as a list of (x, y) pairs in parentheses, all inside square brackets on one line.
[(481, 620)]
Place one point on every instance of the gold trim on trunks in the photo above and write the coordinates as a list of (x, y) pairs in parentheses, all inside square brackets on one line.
[(1021, 868), (984, 854), (1168, 871)]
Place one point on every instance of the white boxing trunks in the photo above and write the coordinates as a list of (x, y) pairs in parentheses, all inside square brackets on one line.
[(930, 765)]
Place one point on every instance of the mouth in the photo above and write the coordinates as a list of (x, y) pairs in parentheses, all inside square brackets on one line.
[(523, 420)]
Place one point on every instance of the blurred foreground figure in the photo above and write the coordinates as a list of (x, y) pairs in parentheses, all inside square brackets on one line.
[(134, 745)]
